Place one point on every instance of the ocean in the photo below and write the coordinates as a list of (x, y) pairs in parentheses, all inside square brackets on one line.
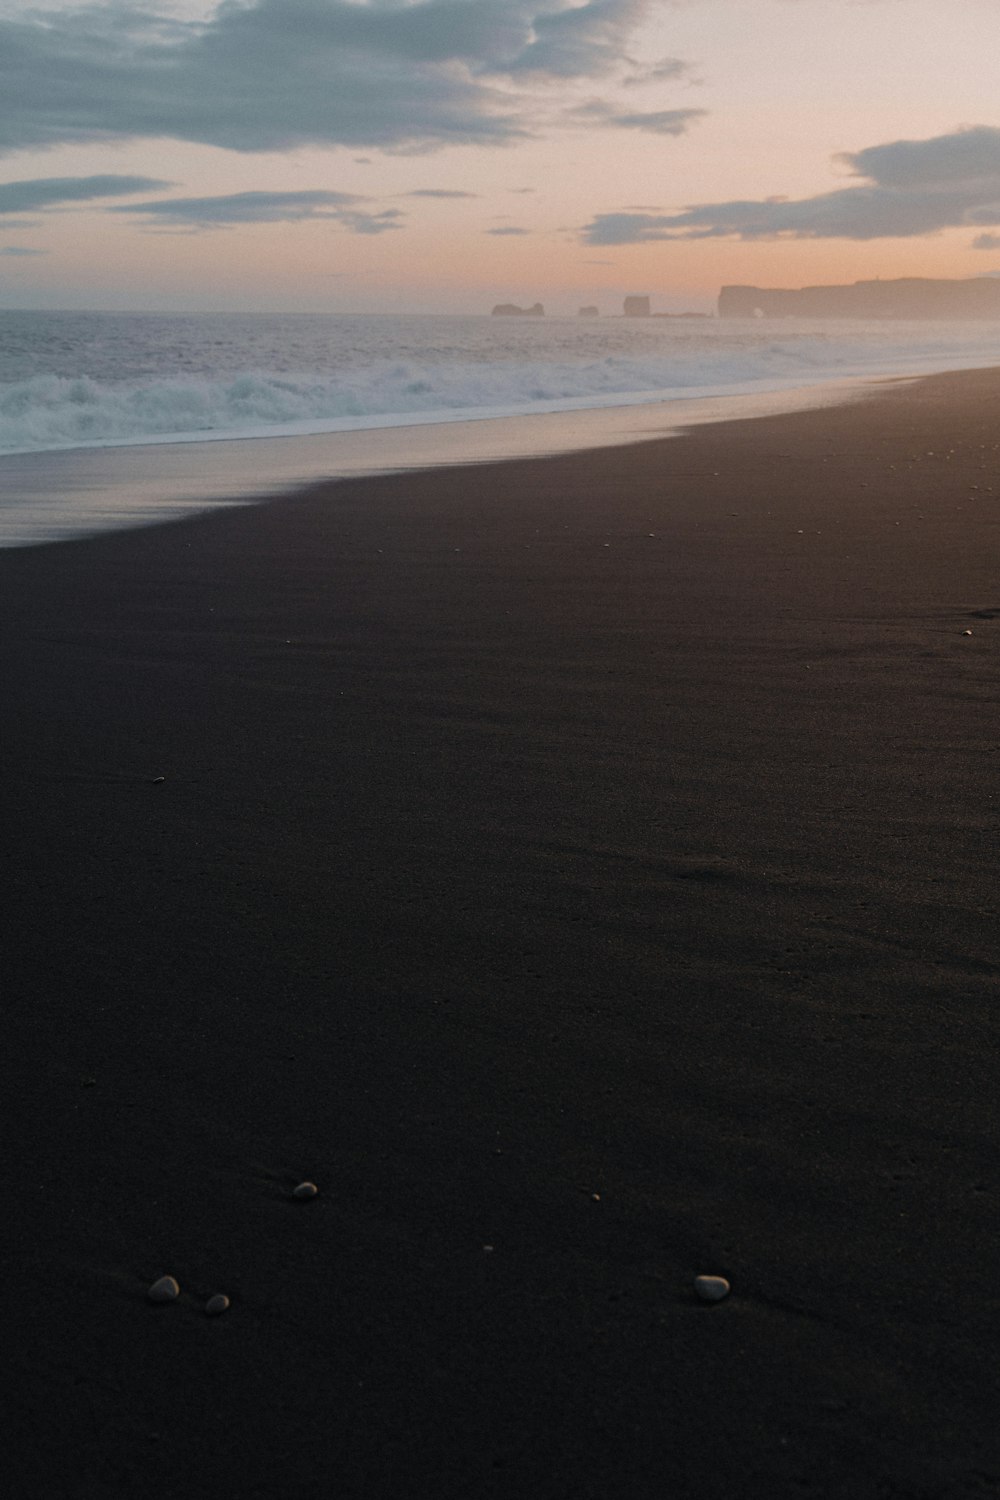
[(117, 419)]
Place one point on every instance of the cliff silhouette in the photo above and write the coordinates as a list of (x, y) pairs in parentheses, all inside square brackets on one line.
[(908, 297)]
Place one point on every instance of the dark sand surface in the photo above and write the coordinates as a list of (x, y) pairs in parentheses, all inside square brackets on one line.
[(509, 855)]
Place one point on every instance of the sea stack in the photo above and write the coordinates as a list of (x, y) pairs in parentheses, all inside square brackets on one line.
[(511, 310)]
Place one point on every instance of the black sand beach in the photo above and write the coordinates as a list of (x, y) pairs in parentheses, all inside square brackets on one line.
[(584, 870)]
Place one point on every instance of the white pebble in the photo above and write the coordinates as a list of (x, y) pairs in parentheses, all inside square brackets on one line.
[(216, 1305), (164, 1290), (711, 1288), (966, 632), (305, 1190)]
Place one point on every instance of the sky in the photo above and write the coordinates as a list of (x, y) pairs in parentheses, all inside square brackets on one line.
[(443, 155)]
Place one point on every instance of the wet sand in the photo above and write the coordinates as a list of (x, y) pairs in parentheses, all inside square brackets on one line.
[(583, 869)]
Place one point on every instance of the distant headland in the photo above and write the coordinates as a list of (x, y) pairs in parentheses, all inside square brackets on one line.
[(908, 297)]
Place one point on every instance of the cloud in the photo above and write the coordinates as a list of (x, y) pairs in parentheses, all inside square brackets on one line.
[(20, 250), (965, 155), (44, 192), (626, 229), (365, 223), (659, 121), (986, 242), (912, 188), (583, 42), (440, 193), (508, 229), (271, 75), (667, 70), (263, 208)]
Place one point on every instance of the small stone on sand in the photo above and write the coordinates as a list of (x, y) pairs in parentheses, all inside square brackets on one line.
[(158, 780), (305, 1190), (164, 1290), (966, 632), (216, 1305), (711, 1288)]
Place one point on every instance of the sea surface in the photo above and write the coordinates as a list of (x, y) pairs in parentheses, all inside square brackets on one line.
[(91, 402)]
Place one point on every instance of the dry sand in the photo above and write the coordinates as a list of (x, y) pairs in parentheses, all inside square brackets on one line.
[(584, 871)]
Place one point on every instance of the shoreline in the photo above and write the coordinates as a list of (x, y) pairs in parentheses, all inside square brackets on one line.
[(583, 868), (64, 494)]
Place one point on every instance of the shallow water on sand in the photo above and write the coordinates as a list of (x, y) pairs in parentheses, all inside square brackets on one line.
[(48, 497)]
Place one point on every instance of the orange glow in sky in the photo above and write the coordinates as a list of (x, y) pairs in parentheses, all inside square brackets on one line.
[(363, 155)]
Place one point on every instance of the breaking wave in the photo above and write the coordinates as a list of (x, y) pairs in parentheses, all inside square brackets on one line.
[(553, 369)]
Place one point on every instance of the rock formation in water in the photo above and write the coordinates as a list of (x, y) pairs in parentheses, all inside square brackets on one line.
[(909, 297), (511, 310), (637, 307), (589, 312)]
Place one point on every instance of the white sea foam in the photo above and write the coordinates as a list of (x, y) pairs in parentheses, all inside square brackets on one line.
[(105, 419), (90, 380)]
